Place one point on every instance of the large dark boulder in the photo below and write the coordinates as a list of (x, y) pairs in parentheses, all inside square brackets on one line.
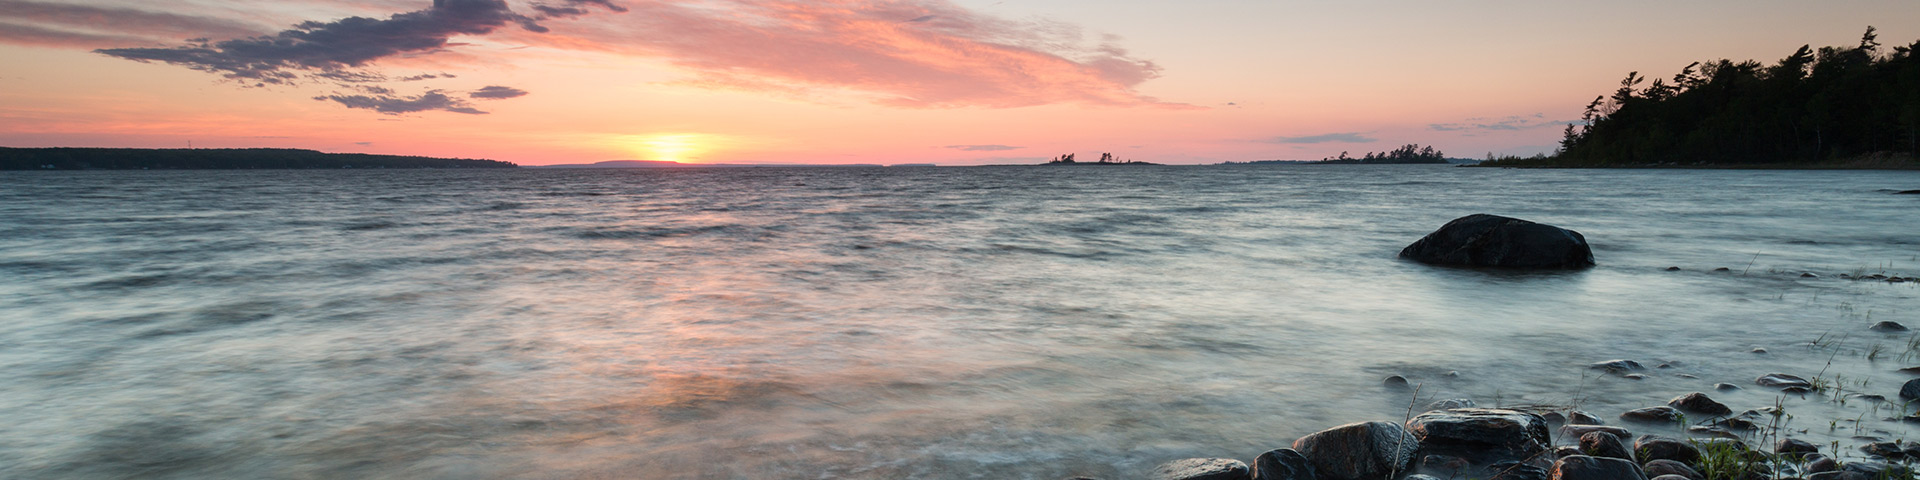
[(1655, 447), (1603, 444), (1582, 467), (1482, 240), (1910, 390), (1359, 451), (1700, 403)]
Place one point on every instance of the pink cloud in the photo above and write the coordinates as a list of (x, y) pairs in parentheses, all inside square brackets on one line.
[(921, 53)]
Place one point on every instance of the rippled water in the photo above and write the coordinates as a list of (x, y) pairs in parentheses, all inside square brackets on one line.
[(887, 322)]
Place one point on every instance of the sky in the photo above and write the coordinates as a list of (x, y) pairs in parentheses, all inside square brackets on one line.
[(951, 82)]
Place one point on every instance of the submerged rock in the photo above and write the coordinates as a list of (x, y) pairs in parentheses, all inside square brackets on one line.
[(1282, 464), (1358, 451), (1482, 240), (1652, 414), (1795, 447), (1781, 380), (1910, 390), (1582, 467), (1725, 387), (1618, 365), (1655, 468), (1201, 469), (1888, 327), (1699, 403), (1516, 432), (1396, 382), (1577, 431)]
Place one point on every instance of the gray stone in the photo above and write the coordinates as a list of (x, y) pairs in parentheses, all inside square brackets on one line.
[(1482, 240), (1652, 414), (1201, 469), (1781, 380), (1670, 467), (1582, 467), (1910, 390), (1654, 447), (1603, 444), (1577, 417), (1516, 432), (1699, 403), (1795, 447), (1577, 431), (1358, 451), (1823, 464), (1888, 327), (1282, 464)]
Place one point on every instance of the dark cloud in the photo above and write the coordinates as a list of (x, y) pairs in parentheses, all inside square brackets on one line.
[(363, 144), (58, 24), (1484, 124), (574, 8), (428, 76), (1325, 138), (332, 48), (982, 148), (395, 105), (496, 91)]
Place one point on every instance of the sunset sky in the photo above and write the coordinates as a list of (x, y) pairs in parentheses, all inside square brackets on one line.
[(846, 81)]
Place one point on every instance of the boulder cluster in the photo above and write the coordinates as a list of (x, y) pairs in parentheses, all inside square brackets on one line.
[(1519, 444)]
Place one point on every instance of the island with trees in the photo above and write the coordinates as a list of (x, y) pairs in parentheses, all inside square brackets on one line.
[(1834, 107), (216, 159), (1412, 153), (1105, 159)]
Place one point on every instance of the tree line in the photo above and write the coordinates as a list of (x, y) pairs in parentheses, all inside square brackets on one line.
[(1829, 104), (1409, 153)]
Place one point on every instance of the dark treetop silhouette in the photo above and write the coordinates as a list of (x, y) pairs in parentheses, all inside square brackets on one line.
[(1105, 159), (1835, 104)]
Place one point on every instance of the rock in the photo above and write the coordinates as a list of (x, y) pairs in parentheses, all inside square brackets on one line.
[(1910, 370), (1282, 464), (1723, 269), (1577, 417), (1798, 390), (1670, 467), (1686, 375), (1795, 447), (1634, 376), (1603, 444), (1824, 464), (1734, 424), (1565, 450), (1420, 477), (1907, 192), (1618, 366), (1451, 403), (1758, 350), (1201, 469), (1725, 387), (1582, 467), (1358, 451), (1673, 269), (1652, 414), (1554, 417), (1654, 447), (1483, 240), (1910, 390), (1577, 431), (1868, 397), (1396, 382), (1447, 465), (1875, 469), (1699, 403), (1838, 475), (1809, 275), (1781, 380), (1671, 477), (1518, 471), (1516, 432), (1890, 450), (1888, 327)]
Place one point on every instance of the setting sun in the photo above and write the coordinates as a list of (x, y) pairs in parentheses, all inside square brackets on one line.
[(670, 147)]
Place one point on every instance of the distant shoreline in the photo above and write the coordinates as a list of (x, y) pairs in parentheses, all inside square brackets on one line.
[(78, 158)]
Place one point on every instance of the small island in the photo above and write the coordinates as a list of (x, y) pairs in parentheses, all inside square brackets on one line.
[(1105, 159), (1409, 153), (217, 159)]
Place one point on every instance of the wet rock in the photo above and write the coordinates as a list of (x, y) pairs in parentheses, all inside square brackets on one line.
[(1671, 477), (1483, 240), (1282, 464), (1554, 417), (1876, 469), (1652, 414), (1907, 192), (1201, 469), (1358, 451), (1582, 467), (1868, 397), (1888, 327), (1451, 403), (1781, 380), (1910, 390), (1838, 475), (1723, 269), (1565, 450), (1516, 432), (1577, 417), (1654, 447), (1513, 470), (1910, 370), (1673, 269), (1890, 450), (1670, 467), (1734, 424), (1757, 350), (1577, 431), (1823, 464), (1809, 275), (1795, 447), (1447, 465), (1603, 444), (1725, 387), (1619, 365), (1699, 403), (1635, 376), (1396, 382)]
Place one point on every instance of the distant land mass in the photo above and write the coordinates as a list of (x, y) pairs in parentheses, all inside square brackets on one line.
[(671, 164), (1835, 107), (1105, 159), (63, 158), (1407, 154)]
